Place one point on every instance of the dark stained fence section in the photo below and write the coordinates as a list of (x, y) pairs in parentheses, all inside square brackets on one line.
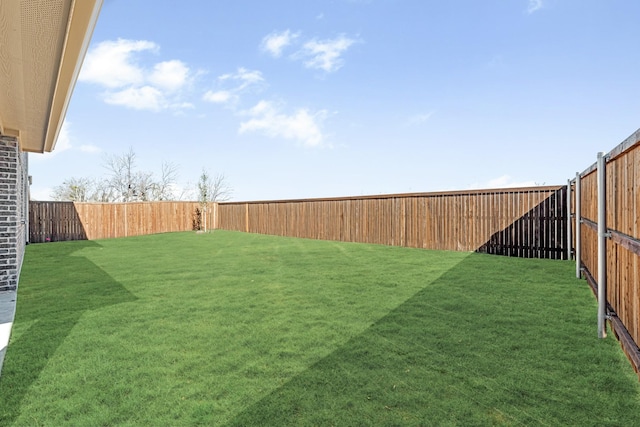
[(54, 221)]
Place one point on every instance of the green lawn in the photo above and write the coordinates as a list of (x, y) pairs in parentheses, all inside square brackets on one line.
[(241, 329)]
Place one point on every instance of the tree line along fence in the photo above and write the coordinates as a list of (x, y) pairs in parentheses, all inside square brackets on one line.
[(605, 207)]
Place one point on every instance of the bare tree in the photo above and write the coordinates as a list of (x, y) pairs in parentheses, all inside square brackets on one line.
[(102, 192), (143, 186), (127, 184), (74, 190), (163, 189), (211, 189), (122, 176), (220, 189)]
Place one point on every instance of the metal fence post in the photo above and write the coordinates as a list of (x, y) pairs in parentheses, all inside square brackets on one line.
[(569, 240), (578, 206), (602, 247)]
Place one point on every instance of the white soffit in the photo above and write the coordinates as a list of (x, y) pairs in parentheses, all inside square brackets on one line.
[(42, 45)]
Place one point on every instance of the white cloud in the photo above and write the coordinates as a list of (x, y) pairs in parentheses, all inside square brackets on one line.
[(325, 55), (138, 98), (275, 42), (245, 77), (302, 126), (219, 97), (169, 75), (534, 5), (181, 106), (266, 117), (115, 65), (240, 81), (111, 63)]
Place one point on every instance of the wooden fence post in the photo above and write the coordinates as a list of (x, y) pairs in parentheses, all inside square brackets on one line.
[(246, 217)]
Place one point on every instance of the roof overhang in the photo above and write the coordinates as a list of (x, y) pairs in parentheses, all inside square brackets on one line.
[(42, 46)]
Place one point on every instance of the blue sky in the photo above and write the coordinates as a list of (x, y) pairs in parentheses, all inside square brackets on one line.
[(322, 98)]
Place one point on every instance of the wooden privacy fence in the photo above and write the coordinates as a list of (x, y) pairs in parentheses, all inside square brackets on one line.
[(57, 221), (525, 222), (617, 267)]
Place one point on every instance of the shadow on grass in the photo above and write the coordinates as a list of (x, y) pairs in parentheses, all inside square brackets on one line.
[(494, 341), (51, 306)]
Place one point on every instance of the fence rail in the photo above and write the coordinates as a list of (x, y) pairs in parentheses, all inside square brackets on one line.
[(618, 266)]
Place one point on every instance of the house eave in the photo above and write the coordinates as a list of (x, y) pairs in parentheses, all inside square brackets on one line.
[(43, 44)]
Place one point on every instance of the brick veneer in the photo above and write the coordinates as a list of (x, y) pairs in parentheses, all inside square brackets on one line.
[(13, 211)]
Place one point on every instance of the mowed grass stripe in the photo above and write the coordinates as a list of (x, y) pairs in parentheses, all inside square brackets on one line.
[(241, 329)]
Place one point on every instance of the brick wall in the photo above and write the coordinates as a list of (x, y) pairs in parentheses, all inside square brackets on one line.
[(13, 211)]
